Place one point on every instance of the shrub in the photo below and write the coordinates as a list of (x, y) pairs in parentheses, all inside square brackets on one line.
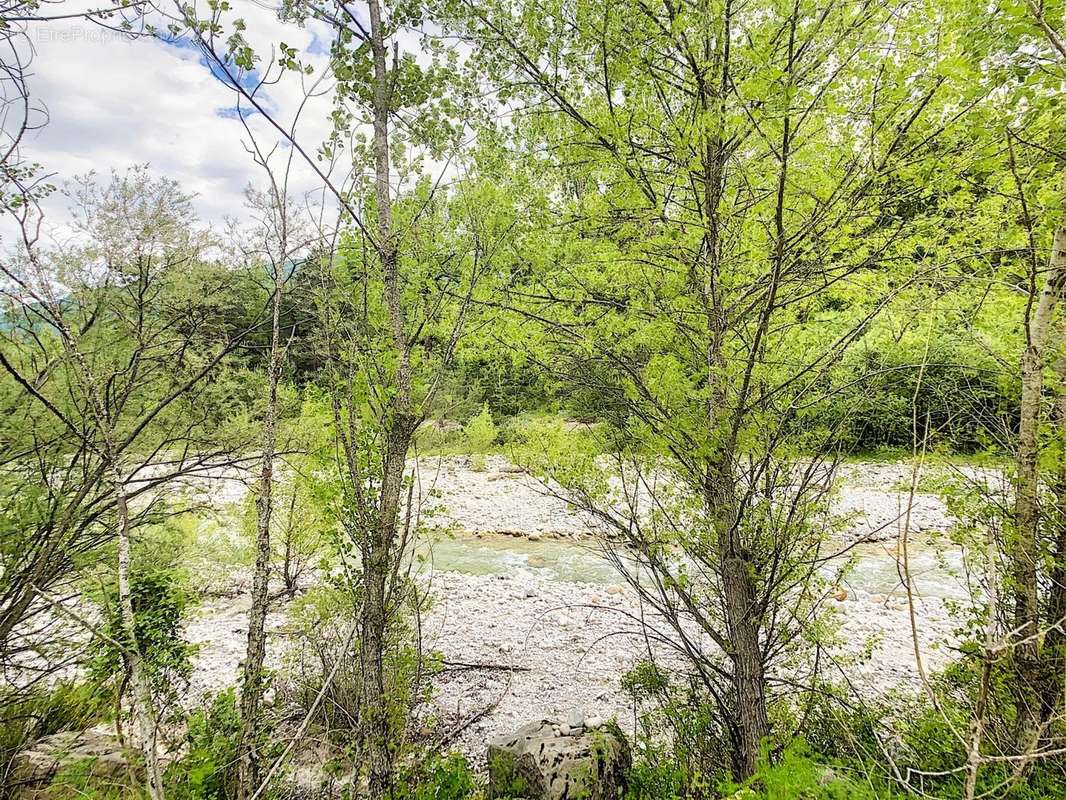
[(159, 603), (448, 777), (657, 776), (319, 621), (480, 432), (681, 748), (921, 741), (799, 775), (208, 768)]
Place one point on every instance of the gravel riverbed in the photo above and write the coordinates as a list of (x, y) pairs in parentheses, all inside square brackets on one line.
[(569, 633), (569, 644)]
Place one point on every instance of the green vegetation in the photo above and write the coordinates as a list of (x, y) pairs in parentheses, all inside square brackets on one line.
[(676, 260)]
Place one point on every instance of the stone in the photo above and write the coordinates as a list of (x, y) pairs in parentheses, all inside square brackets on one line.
[(537, 561), (537, 764), (96, 751), (615, 589), (576, 718), (593, 722)]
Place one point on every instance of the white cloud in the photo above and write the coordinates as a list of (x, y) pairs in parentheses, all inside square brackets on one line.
[(114, 102)]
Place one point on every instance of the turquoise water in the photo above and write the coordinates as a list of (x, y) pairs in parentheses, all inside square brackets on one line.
[(874, 567)]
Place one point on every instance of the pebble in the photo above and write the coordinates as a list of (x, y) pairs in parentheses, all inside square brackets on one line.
[(576, 718), (576, 656)]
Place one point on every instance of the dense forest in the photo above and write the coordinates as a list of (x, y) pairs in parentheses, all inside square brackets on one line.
[(586, 400)]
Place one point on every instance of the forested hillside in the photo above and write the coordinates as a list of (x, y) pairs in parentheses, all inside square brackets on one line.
[(592, 400)]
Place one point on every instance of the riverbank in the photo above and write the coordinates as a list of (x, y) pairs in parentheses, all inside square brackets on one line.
[(490, 495), (532, 621), (524, 646)]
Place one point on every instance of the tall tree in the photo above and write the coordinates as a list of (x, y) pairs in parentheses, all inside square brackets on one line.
[(397, 286), (105, 347), (275, 244), (721, 178)]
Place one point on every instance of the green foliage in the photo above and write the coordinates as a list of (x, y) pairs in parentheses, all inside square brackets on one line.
[(439, 777), (319, 622), (929, 744), (161, 601), (480, 432), (680, 747), (799, 775), (857, 739), (79, 781), (159, 606), (951, 385), (657, 776), (208, 768)]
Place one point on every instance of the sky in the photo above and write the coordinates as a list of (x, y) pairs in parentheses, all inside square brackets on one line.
[(113, 102)]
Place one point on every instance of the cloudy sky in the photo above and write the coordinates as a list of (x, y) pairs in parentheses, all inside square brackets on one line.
[(113, 102)]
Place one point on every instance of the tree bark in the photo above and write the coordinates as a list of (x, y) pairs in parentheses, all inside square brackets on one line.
[(751, 723), (1025, 544), (1053, 701), (255, 652), (378, 553), (143, 705)]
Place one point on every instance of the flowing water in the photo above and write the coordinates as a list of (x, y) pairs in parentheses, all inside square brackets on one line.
[(874, 568)]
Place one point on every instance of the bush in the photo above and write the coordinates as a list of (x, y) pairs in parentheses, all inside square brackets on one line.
[(448, 777), (922, 743), (319, 621), (799, 775), (159, 603), (480, 432), (960, 395), (657, 776), (208, 770), (681, 748)]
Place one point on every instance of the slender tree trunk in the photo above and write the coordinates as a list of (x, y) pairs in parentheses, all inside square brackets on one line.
[(1025, 549), (978, 724), (378, 557), (143, 705), (1053, 702), (751, 722), (255, 653), (379, 552), (289, 570)]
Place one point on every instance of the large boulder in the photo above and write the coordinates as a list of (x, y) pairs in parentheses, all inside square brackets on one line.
[(95, 753), (546, 760)]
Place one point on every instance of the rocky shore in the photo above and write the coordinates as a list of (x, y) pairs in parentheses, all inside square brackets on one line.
[(498, 498), (523, 639), (529, 647)]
